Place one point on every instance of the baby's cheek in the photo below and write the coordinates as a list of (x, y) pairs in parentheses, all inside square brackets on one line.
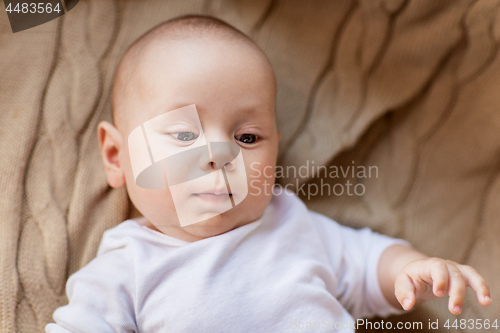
[(260, 177), (153, 203)]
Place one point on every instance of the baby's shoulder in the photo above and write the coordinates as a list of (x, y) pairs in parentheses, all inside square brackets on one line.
[(137, 242), (120, 237), (114, 263)]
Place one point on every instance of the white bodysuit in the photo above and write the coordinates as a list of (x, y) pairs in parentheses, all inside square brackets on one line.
[(290, 269)]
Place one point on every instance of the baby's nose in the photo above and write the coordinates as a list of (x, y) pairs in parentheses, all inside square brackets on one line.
[(223, 153)]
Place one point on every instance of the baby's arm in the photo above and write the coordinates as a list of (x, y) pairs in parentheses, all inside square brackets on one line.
[(408, 277)]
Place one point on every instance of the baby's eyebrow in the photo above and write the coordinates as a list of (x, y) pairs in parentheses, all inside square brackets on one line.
[(252, 111), (176, 106)]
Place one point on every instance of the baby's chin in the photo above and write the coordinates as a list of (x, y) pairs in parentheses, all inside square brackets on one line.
[(213, 226), (246, 212)]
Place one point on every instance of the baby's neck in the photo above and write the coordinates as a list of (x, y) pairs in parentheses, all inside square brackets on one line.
[(178, 232), (173, 232)]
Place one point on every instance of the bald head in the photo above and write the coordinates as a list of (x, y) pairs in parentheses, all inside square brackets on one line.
[(200, 61), (189, 28)]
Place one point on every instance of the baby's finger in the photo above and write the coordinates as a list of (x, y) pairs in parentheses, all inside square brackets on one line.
[(477, 283), (405, 291), (457, 289), (439, 275)]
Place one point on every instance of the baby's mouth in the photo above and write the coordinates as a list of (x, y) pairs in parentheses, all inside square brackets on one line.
[(214, 196)]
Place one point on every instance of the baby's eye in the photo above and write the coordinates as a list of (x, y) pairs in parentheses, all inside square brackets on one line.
[(246, 138), (184, 136)]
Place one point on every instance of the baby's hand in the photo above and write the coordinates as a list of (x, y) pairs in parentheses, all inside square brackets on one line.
[(428, 279)]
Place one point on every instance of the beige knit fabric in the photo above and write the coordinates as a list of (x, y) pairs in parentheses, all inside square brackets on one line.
[(410, 87)]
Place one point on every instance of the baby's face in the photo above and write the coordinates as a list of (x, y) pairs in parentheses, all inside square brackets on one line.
[(234, 92)]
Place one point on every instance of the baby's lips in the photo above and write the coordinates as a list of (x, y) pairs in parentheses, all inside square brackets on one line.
[(218, 187), (212, 193), (215, 191)]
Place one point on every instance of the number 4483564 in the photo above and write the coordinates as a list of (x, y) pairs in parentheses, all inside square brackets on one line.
[(33, 8), (472, 324)]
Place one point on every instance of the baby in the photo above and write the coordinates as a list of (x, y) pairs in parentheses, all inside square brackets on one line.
[(194, 125)]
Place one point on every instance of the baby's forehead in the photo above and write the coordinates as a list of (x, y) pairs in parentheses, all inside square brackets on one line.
[(147, 60), (182, 56)]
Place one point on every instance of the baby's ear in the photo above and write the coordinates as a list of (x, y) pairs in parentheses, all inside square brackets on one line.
[(110, 142)]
